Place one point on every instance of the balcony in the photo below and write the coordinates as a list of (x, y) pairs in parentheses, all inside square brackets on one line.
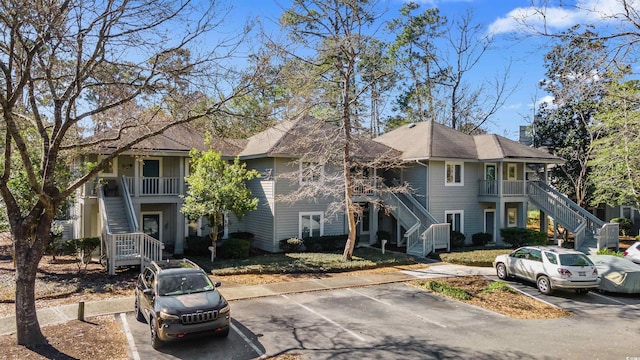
[(509, 188), (153, 186)]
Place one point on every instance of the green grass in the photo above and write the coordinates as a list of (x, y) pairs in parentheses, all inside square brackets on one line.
[(482, 257), (607, 251), (446, 290), (498, 286), (363, 258)]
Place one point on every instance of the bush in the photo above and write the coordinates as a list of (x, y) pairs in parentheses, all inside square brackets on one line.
[(624, 225), (517, 237), (291, 245), (324, 243), (607, 251), (82, 247), (197, 245), (235, 249), (457, 239), (481, 239), (245, 235)]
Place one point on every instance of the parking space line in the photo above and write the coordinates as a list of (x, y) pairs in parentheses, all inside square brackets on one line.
[(615, 300), (325, 318), (261, 355), (388, 304), (129, 336)]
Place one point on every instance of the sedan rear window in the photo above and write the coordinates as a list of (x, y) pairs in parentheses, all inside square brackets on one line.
[(574, 260)]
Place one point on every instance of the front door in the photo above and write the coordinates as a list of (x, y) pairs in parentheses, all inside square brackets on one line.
[(151, 224), (491, 186), (490, 223), (151, 176)]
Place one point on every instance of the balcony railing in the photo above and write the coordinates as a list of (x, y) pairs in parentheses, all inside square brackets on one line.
[(152, 186), (509, 188)]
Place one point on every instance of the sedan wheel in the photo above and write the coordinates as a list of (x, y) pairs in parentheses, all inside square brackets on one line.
[(544, 284), (501, 271)]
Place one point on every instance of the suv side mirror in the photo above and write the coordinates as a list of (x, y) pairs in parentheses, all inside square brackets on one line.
[(217, 284), (147, 292)]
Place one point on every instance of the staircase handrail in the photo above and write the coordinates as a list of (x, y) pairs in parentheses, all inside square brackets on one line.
[(404, 215), (578, 235), (128, 205), (570, 203)]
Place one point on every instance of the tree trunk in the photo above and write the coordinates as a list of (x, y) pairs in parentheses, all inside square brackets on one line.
[(28, 252), (213, 223)]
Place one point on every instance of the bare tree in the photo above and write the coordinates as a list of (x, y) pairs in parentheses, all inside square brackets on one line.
[(468, 107), (72, 67)]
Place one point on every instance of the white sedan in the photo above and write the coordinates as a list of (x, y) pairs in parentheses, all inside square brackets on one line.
[(550, 267)]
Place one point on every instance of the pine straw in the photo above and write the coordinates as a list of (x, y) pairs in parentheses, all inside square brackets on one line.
[(509, 303), (97, 338)]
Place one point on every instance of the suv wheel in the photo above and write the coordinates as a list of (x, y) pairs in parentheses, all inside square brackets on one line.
[(139, 315), (156, 343), (544, 285), (501, 271)]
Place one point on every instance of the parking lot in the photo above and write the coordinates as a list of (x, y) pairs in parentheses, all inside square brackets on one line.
[(397, 321)]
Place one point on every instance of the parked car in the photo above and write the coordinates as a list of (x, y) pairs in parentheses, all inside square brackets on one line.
[(633, 252), (550, 268), (618, 274), (177, 299)]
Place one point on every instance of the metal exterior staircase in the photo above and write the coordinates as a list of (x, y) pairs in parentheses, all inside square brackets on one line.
[(590, 233)]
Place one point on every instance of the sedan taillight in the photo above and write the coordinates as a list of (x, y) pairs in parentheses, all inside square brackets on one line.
[(626, 253)]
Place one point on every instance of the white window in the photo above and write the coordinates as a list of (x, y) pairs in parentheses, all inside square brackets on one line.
[(310, 172), (454, 173), (456, 219), (511, 172), (512, 217), (112, 167), (310, 224)]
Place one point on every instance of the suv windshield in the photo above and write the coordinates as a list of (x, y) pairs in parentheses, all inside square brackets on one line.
[(574, 260), (171, 285)]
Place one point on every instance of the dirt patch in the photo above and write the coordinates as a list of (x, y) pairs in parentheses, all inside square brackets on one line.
[(500, 299), (97, 338)]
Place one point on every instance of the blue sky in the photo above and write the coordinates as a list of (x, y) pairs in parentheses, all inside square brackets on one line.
[(512, 45)]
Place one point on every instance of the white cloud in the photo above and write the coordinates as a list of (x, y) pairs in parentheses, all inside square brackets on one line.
[(559, 18), (543, 100)]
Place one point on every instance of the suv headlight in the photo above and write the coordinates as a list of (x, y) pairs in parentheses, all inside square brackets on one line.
[(166, 316)]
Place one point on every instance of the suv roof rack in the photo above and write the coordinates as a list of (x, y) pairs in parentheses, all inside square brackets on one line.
[(175, 264)]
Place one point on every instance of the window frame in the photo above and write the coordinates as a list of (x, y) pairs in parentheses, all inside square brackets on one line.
[(511, 167), (310, 214), (454, 165), (512, 211), (453, 213)]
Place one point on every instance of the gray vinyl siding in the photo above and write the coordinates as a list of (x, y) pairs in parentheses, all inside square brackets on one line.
[(261, 221), (287, 214), (416, 175), (450, 198)]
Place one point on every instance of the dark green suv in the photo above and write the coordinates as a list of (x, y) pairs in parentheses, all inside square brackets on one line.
[(177, 299)]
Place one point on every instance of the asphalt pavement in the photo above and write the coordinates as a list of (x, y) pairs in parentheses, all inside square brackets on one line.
[(65, 313)]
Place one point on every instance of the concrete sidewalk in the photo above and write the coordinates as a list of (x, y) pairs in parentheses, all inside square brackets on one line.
[(64, 313)]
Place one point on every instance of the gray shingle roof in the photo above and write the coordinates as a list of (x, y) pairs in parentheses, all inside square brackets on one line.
[(430, 140)]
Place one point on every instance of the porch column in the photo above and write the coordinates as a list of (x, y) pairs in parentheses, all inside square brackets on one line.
[(500, 178), (180, 231), (373, 218), (136, 178), (181, 175), (500, 220)]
